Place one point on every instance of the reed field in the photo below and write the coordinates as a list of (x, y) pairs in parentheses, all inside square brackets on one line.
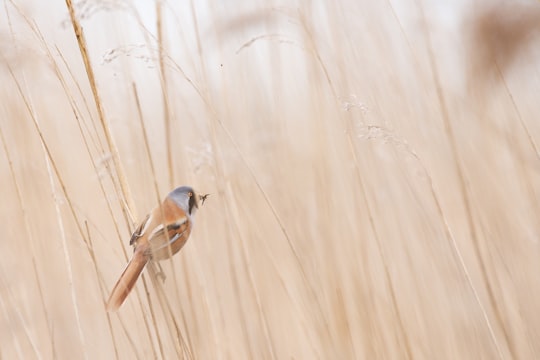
[(374, 171)]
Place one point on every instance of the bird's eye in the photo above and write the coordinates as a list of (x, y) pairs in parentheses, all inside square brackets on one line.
[(190, 194)]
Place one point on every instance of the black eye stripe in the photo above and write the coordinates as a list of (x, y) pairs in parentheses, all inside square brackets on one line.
[(191, 203)]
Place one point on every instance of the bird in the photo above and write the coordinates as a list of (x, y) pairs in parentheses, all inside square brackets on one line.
[(161, 234)]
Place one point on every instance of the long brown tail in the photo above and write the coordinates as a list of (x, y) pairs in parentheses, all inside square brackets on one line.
[(127, 280)]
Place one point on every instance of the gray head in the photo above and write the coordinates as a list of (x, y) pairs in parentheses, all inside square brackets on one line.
[(186, 198)]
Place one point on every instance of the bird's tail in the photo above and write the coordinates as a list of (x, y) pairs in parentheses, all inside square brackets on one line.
[(127, 280)]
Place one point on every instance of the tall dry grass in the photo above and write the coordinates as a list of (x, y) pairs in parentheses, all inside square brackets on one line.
[(373, 170)]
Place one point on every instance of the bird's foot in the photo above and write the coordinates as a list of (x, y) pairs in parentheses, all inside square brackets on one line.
[(160, 274)]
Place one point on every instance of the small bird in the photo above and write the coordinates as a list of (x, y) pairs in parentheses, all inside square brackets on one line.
[(159, 236)]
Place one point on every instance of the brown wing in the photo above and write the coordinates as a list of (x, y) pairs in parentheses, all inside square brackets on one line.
[(139, 231), (168, 240), (167, 237)]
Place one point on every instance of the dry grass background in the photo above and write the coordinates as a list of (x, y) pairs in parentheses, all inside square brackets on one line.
[(373, 165)]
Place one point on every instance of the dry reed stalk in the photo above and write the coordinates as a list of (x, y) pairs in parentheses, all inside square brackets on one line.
[(313, 49), (275, 214), (103, 292), (168, 135), (76, 111), (10, 298), (67, 256), (16, 340), (126, 194), (236, 289), (97, 143), (169, 315), (27, 227), (182, 351), (498, 34), (36, 31), (252, 283), (53, 168), (165, 91), (81, 42), (109, 206), (68, 199), (18, 191), (44, 306), (269, 203), (152, 316), (279, 222), (218, 170), (466, 199), (447, 228), (373, 228), (226, 197)]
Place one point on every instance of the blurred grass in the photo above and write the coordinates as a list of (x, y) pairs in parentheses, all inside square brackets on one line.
[(373, 170)]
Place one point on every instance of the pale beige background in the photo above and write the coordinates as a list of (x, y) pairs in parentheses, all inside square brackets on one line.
[(374, 180)]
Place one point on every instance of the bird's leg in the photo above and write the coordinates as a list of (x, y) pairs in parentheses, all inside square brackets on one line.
[(160, 274), (157, 272)]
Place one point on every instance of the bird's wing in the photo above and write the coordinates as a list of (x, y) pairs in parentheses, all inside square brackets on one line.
[(175, 230), (139, 231)]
